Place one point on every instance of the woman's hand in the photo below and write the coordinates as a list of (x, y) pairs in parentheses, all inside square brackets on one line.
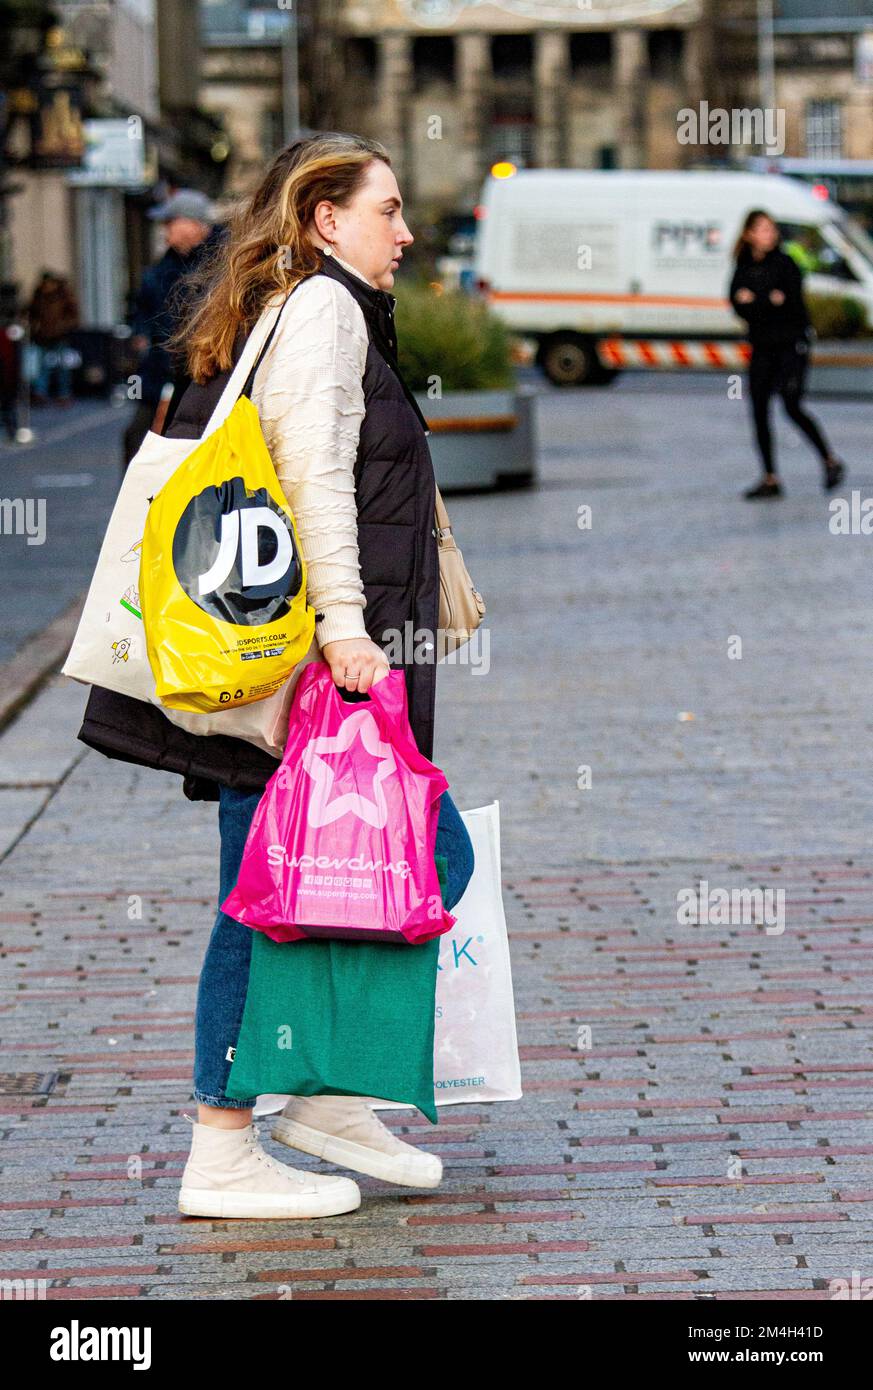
[(777, 297), (744, 296), (355, 663)]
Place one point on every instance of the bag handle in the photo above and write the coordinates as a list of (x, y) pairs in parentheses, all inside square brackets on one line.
[(387, 698), (250, 379), (443, 525), (391, 701), (241, 380)]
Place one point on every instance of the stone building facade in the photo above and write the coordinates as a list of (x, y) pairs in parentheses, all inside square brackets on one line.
[(822, 71), (457, 86), (451, 86)]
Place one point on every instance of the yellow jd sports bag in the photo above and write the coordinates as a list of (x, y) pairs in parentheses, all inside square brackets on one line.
[(222, 576)]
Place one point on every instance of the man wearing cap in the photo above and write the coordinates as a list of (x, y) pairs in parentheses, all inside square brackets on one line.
[(188, 221)]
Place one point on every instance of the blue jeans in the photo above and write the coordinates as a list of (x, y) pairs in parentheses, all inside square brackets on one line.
[(221, 993), (48, 362)]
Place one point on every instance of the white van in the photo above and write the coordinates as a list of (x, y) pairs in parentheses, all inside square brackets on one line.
[(576, 259)]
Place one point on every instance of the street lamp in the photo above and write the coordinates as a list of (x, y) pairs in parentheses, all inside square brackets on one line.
[(766, 63), (290, 77)]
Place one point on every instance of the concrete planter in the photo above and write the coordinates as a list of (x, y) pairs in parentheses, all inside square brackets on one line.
[(481, 439), (842, 368)]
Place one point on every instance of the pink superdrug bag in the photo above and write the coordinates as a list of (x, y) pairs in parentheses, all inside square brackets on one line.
[(342, 841)]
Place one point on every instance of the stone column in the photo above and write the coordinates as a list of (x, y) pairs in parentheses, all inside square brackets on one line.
[(551, 92), (697, 76), (696, 63), (472, 83), (630, 75), (393, 89)]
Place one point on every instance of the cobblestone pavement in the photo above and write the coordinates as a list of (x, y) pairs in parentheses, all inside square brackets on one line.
[(712, 1137)]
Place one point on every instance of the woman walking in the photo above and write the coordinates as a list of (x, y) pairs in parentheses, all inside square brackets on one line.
[(324, 232), (767, 291)]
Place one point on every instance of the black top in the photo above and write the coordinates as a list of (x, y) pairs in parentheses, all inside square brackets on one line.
[(771, 325)]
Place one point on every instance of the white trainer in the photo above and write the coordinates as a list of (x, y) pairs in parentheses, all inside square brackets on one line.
[(229, 1174), (344, 1130)]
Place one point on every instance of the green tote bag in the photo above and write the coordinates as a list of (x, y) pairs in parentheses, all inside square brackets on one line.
[(329, 1017)]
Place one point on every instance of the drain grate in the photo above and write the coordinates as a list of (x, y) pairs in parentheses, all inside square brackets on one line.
[(28, 1083)]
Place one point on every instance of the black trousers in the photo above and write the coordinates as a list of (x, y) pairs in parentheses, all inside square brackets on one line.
[(781, 371)]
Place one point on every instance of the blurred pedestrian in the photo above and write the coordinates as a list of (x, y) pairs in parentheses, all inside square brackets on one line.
[(767, 291), (53, 314), (11, 335), (190, 232)]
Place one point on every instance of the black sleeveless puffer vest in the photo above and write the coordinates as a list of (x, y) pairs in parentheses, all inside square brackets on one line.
[(395, 494)]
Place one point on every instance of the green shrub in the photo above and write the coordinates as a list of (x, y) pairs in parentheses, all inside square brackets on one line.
[(452, 336), (837, 316)]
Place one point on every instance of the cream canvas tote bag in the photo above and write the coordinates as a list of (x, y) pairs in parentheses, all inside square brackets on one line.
[(109, 648)]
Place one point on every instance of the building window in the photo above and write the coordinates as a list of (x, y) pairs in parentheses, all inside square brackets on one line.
[(824, 137), (433, 59), (512, 55), (252, 19), (665, 54), (361, 59), (590, 52), (512, 138)]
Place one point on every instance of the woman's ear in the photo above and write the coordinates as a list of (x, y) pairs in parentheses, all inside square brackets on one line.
[(325, 221)]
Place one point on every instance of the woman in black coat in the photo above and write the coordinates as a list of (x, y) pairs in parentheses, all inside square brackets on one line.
[(325, 228), (767, 291)]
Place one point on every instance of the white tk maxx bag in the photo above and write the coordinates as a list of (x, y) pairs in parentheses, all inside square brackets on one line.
[(475, 1042)]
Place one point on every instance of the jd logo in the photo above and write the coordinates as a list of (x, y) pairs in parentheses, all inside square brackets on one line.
[(234, 554)]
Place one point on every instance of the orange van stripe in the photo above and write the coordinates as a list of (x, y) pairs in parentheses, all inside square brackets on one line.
[(482, 424), (675, 300)]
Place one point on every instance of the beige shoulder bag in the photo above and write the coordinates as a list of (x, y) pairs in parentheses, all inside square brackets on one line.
[(462, 607)]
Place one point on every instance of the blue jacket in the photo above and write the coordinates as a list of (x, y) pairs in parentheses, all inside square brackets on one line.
[(156, 311)]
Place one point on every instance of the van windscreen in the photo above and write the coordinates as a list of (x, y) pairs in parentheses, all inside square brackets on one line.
[(860, 240)]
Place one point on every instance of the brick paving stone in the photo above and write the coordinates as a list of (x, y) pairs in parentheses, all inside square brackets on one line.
[(715, 1140)]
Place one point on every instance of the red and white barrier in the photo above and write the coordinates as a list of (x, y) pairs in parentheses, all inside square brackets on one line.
[(668, 355)]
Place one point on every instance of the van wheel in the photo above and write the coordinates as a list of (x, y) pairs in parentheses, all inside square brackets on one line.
[(569, 360)]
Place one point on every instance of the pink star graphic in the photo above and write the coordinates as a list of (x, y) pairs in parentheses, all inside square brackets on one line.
[(323, 811)]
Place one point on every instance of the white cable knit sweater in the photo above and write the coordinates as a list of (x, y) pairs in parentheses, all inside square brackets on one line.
[(309, 395)]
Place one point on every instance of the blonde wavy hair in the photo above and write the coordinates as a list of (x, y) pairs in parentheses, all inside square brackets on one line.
[(266, 247)]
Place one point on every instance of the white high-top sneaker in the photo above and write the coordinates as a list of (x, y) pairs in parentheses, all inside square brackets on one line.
[(229, 1174), (344, 1130)]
